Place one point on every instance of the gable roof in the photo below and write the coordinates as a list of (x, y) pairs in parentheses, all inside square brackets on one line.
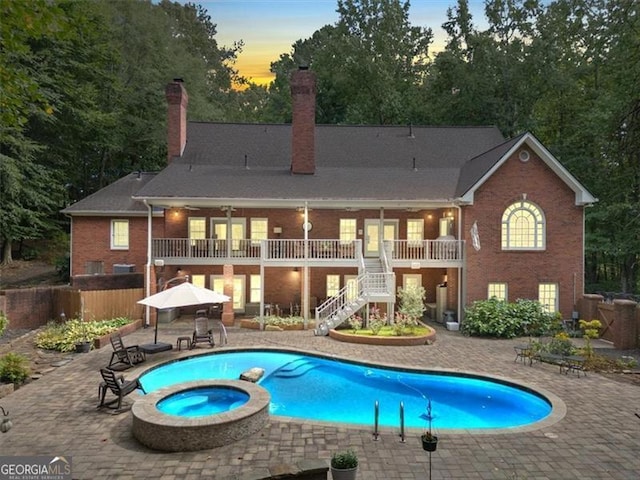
[(392, 166), (248, 162), (479, 169)]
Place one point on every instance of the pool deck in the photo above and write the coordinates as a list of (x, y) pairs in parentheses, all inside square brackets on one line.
[(597, 437)]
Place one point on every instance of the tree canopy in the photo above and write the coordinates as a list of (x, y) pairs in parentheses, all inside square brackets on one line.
[(82, 104)]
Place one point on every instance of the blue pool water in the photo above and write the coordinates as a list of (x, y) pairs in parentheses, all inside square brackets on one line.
[(318, 388), (199, 402)]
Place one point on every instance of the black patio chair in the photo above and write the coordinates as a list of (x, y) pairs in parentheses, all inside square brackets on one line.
[(117, 385), (124, 357)]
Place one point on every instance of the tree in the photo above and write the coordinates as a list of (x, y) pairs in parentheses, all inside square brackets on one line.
[(26, 194), (368, 65), (588, 115)]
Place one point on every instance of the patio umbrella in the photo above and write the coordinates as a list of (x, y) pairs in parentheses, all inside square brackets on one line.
[(183, 295)]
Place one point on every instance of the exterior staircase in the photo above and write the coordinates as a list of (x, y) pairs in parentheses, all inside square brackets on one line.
[(375, 283)]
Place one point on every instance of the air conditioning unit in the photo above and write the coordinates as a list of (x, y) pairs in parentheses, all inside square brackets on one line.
[(123, 268)]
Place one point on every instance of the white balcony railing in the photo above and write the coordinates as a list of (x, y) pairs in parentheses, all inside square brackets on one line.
[(448, 250), (293, 249)]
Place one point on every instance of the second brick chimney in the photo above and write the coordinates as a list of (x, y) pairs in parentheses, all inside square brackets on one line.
[(177, 99), (303, 103)]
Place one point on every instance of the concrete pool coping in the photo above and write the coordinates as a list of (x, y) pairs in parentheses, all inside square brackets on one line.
[(172, 433), (558, 407)]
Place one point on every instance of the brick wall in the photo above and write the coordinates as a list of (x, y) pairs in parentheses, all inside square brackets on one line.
[(303, 100), (562, 260), (91, 241), (177, 100), (29, 308)]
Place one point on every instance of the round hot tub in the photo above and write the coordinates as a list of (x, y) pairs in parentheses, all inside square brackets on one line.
[(203, 401), (200, 415)]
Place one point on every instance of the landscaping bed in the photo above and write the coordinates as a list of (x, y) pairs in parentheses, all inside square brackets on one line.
[(391, 340)]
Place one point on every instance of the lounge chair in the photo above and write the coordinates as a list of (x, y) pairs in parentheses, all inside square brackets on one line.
[(124, 357), (201, 332), (118, 386)]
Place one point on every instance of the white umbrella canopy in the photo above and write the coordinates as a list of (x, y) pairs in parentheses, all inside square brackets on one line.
[(184, 295)]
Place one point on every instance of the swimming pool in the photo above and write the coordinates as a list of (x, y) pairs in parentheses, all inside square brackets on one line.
[(318, 388)]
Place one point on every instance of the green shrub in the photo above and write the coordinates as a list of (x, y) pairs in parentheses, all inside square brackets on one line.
[(4, 323), (344, 460), (497, 318), (63, 337), (411, 301), (14, 368)]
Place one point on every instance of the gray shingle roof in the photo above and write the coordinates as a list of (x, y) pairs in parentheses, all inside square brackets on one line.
[(475, 168), (251, 161), (115, 198)]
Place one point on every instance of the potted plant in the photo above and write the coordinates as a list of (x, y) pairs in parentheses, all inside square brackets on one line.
[(83, 345), (429, 440), (344, 465)]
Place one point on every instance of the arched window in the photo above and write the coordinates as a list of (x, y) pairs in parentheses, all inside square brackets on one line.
[(523, 227)]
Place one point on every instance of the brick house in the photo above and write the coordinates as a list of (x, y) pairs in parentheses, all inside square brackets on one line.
[(326, 219)]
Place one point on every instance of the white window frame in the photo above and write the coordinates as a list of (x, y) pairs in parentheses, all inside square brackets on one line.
[(523, 227), (498, 290), (348, 230), (199, 233), (333, 285), (119, 239), (198, 280), (259, 230), (351, 282), (238, 230), (239, 281), (411, 280), (415, 231), (255, 288), (548, 296)]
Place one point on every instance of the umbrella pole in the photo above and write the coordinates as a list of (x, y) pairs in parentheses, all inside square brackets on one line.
[(155, 335)]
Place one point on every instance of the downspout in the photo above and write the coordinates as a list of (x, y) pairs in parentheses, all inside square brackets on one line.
[(305, 270), (461, 269), (147, 267)]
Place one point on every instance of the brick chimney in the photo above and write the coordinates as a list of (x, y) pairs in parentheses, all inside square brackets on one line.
[(303, 101), (177, 99)]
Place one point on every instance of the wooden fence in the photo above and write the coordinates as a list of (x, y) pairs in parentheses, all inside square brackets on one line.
[(107, 304)]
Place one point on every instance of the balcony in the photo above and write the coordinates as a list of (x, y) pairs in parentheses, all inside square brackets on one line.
[(296, 252)]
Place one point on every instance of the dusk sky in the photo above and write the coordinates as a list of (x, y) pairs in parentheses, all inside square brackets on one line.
[(269, 27)]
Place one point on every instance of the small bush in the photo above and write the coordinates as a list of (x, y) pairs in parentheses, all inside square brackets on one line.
[(376, 320), (355, 322), (497, 318), (14, 368), (344, 460), (411, 301), (4, 323)]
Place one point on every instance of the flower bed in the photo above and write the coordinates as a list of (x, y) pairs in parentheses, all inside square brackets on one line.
[(396, 340), (277, 324)]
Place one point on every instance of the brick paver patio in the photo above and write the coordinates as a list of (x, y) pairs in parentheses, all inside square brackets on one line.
[(598, 438)]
